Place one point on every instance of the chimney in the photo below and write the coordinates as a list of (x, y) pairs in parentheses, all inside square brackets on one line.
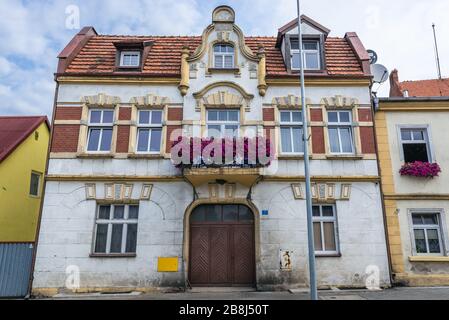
[(395, 87)]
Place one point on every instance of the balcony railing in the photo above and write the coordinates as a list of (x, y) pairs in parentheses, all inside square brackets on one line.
[(190, 153)]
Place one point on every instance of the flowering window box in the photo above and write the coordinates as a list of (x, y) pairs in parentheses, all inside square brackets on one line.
[(420, 169)]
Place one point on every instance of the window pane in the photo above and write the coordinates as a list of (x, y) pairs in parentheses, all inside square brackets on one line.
[(155, 143), (119, 212), (285, 117), (108, 116), (131, 238), (156, 117), (328, 211), (298, 143), (34, 184), (144, 117), (231, 213), (294, 44), (329, 236), (311, 60), (106, 140), (346, 140), (116, 239), (316, 211), (101, 238), (333, 140), (296, 116), (213, 213), (143, 140), (310, 45), (223, 115), (94, 140), (417, 219), (95, 117), (217, 48), (420, 241), (333, 116), (230, 49), (295, 61), (133, 212), (229, 62), (218, 61), (406, 135), (214, 131), (345, 117), (233, 116), (245, 214), (231, 131), (286, 140), (317, 236), (415, 152), (430, 219), (418, 135), (213, 115), (104, 212), (199, 214), (434, 241)]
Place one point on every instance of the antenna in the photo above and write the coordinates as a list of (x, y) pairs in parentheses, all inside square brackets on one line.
[(436, 50)]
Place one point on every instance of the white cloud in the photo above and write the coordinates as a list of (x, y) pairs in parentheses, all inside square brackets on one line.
[(34, 32)]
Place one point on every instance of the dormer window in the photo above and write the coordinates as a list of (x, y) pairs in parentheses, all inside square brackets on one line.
[(311, 52), (130, 59), (224, 56)]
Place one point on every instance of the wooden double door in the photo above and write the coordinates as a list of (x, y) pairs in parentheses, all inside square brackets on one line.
[(222, 249)]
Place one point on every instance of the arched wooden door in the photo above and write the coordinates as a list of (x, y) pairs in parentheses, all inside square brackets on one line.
[(222, 246)]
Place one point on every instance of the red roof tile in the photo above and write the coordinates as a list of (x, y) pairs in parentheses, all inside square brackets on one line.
[(98, 56), (14, 130), (426, 88)]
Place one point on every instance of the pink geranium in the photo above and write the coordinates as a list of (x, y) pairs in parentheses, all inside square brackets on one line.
[(420, 169)]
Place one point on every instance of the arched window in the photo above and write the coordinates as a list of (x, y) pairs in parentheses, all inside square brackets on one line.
[(224, 56)]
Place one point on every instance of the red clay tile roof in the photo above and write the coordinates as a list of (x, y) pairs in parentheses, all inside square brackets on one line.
[(14, 130), (426, 88), (98, 56)]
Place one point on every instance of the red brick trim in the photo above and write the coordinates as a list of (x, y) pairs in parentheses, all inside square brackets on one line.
[(318, 144), (367, 139), (169, 138), (365, 115), (268, 114), (124, 114), (65, 138), (123, 139), (316, 115), (175, 114), (68, 113)]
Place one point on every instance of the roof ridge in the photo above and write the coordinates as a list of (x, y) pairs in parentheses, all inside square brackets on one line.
[(408, 81)]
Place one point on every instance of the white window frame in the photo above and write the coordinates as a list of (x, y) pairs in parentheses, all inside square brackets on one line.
[(100, 126), (222, 123), (122, 59), (39, 175), (304, 52), (292, 124), (427, 140), (223, 55), (125, 222), (442, 232), (323, 220), (341, 125), (149, 127)]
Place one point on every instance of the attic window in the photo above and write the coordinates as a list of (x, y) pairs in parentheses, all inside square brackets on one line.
[(130, 59), (311, 52)]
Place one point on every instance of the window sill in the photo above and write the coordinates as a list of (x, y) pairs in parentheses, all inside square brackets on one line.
[(344, 157), (292, 157), (96, 155), (98, 255), (219, 70), (145, 156), (428, 259), (332, 255)]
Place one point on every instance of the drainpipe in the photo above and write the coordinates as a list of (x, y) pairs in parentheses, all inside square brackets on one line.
[(375, 103), (36, 240)]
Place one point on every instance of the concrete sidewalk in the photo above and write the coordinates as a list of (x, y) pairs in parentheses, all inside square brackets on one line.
[(211, 294)]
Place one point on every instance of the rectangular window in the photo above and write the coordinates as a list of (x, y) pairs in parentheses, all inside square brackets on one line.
[(223, 56), (101, 123), (116, 229), (149, 132), (415, 145), (427, 233), (311, 52), (223, 123), (340, 132), (292, 132), (130, 59), (35, 183), (325, 229)]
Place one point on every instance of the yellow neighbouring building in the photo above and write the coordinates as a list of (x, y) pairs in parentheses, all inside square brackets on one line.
[(23, 156), (410, 129)]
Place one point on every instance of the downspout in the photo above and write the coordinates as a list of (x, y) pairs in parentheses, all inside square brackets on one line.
[(375, 102), (36, 240)]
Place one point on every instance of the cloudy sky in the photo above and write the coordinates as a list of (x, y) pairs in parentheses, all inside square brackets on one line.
[(33, 32)]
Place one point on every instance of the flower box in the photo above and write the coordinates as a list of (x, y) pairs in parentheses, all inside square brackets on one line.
[(420, 169)]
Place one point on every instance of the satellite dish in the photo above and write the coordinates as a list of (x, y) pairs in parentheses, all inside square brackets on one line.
[(380, 73), (372, 56)]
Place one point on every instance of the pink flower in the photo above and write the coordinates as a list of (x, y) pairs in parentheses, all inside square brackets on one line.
[(420, 169)]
